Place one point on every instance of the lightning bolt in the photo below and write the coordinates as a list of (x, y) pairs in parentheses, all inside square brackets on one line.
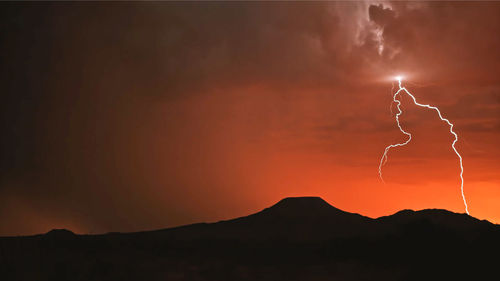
[(383, 160)]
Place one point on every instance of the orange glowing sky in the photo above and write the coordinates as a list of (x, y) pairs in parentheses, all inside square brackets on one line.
[(133, 116)]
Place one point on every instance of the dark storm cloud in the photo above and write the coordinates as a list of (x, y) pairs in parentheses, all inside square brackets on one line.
[(451, 44), (381, 15), (88, 57), (183, 48), (450, 40), (23, 80)]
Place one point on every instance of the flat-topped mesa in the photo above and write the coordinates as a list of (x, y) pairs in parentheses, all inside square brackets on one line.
[(60, 234), (302, 202), (310, 207)]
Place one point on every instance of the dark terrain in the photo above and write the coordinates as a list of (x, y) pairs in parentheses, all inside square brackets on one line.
[(301, 238)]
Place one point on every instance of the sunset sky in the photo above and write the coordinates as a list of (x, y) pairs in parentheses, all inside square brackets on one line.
[(137, 116)]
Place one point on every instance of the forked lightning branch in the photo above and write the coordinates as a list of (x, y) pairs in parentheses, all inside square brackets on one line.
[(395, 100)]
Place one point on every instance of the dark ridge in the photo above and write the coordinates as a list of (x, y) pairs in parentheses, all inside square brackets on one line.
[(298, 238), (423, 220), (436, 215), (311, 212)]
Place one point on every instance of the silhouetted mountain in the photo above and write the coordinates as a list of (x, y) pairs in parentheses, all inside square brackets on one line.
[(60, 234), (302, 218), (301, 238)]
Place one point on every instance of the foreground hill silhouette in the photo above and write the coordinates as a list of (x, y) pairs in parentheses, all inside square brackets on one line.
[(301, 238)]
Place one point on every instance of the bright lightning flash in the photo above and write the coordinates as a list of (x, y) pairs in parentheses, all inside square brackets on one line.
[(399, 112)]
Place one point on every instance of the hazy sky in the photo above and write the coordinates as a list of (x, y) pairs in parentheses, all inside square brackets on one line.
[(134, 116)]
